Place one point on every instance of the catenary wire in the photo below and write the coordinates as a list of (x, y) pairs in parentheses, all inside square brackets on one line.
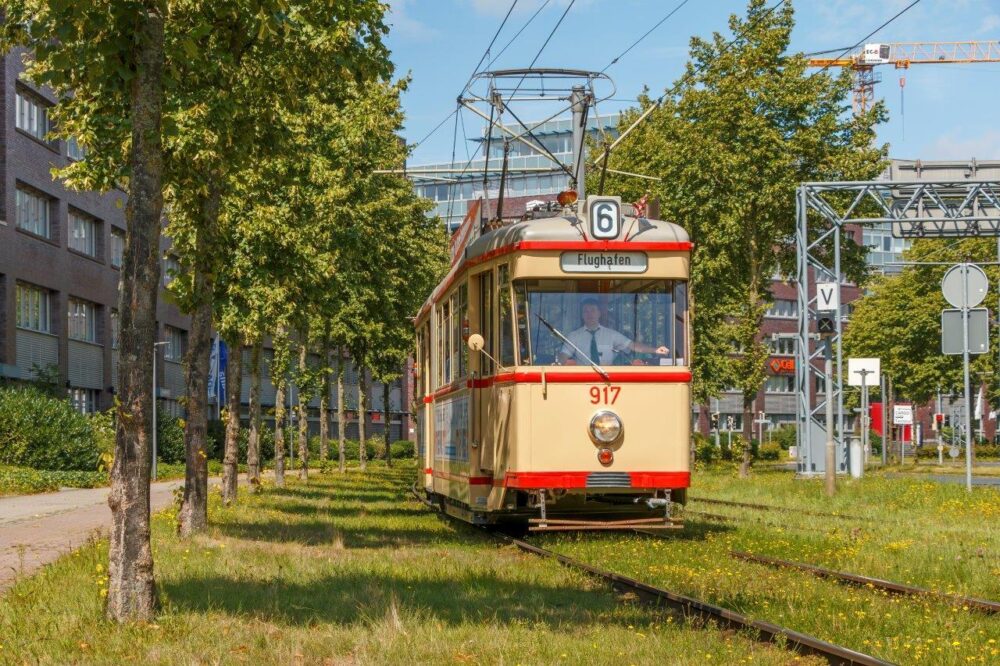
[(544, 44), (486, 53), (868, 36), (647, 34), (518, 34)]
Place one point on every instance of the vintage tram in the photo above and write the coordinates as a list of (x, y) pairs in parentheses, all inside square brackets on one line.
[(552, 371)]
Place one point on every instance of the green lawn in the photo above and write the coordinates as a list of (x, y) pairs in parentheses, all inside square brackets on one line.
[(349, 570), (927, 534), (27, 481)]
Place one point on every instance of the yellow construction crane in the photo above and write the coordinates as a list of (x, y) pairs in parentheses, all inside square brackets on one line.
[(902, 55)]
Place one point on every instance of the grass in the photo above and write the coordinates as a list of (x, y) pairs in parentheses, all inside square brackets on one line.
[(347, 570), (28, 481), (918, 532)]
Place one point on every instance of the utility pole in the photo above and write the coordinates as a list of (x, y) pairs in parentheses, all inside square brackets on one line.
[(864, 372), (965, 376), (579, 102), (885, 428), (831, 450)]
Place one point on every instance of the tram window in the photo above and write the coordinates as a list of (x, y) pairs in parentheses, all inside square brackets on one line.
[(461, 330), (506, 319), (638, 318), (486, 319)]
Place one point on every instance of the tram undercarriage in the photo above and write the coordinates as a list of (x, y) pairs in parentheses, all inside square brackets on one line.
[(554, 510)]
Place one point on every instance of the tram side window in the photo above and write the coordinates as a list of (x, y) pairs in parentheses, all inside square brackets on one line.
[(486, 319), (506, 316), (460, 331), (444, 344)]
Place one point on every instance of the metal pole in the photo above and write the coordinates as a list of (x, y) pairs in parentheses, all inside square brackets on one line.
[(718, 423), (965, 373), (831, 451), (155, 352), (864, 410), (578, 101)]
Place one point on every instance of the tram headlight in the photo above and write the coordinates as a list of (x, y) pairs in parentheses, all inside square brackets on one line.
[(605, 427)]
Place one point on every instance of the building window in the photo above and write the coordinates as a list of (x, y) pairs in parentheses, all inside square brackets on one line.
[(117, 247), (83, 400), (116, 327), (171, 269), (174, 349), (31, 115), (783, 309), (780, 384), (82, 320), (74, 150), (33, 308), (33, 212), (83, 233), (782, 346)]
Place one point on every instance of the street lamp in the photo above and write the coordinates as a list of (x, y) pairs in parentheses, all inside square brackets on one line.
[(155, 397)]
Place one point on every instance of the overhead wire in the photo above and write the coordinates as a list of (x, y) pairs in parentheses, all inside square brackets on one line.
[(517, 34), (867, 37), (647, 34), (544, 44)]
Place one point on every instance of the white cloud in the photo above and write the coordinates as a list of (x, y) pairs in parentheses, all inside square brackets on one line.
[(952, 146), (403, 23)]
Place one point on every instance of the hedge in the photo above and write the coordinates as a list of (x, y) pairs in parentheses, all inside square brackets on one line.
[(44, 432)]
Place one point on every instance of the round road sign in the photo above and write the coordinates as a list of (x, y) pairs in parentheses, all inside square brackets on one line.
[(953, 452), (954, 290)]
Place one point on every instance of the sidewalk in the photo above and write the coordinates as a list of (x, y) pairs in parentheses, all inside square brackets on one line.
[(37, 529)]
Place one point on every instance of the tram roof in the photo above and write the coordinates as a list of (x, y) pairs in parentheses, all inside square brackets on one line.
[(570, 229)]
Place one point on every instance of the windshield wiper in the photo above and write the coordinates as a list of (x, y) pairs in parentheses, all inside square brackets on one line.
[(562, 337)]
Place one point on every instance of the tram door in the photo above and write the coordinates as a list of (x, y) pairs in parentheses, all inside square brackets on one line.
[(484, 411), (422, 409)]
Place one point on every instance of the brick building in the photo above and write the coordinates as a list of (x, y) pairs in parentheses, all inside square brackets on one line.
[(60, 252)]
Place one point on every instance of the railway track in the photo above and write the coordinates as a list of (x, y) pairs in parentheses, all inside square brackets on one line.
[(772, 507), (763, 631), (980, 605)]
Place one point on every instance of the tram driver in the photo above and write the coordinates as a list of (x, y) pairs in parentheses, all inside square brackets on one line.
[(598, 342)]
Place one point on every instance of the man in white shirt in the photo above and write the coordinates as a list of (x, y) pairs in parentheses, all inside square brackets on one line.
[(598, 342)]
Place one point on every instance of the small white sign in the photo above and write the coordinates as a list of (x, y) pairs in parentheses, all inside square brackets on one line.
[(902, 414), (828, 297), (855, 366), (605, 217), (604, 262)]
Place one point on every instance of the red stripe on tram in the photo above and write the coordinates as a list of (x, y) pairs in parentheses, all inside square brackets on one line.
[(589, 377), (644, 480)]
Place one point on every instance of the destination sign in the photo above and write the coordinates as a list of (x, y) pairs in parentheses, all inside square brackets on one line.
[(604, 262)]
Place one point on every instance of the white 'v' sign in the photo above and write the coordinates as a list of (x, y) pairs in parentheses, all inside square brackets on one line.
[(827, 297)]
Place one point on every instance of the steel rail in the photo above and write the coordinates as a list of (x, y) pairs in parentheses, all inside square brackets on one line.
[(981, 605), (765, 631), (772, 507)]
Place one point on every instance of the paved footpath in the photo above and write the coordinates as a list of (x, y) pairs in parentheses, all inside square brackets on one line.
[(37, 529)]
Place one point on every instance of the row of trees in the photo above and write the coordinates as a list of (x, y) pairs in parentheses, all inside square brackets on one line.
[(731, 140), (253, 129)]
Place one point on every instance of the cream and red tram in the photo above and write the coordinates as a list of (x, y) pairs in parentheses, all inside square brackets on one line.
[(526, 425)]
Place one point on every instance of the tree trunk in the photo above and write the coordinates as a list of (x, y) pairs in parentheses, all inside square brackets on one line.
[(279, 431), (341, 426), (131, 585), (362, 414), (303, 418), (747, 428), (324, 409), (194, 507), (231, 455), (253, 436), (385, 419)]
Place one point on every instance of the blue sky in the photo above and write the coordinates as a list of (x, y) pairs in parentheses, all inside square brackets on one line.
[(951, 111)]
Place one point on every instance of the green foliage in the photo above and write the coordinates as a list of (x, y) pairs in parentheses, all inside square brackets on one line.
[(705, 450), (39, 431), (169, 438), (784, 436), (102, 425), (24, 480), (899, 321), (746, 124), (770, 451), (403, 448)]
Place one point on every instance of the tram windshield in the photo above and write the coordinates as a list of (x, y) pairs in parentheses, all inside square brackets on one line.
[(612, 322)]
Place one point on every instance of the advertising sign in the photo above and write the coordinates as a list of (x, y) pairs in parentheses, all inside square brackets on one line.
[(902, 414)]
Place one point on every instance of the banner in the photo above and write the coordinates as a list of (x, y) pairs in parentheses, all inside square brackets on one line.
[(223, 357), (213, 369), (217, 372)]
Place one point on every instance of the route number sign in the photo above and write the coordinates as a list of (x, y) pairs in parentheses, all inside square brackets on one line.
[(605, 218)]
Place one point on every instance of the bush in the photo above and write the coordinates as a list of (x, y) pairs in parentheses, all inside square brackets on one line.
[(22, 480), (705, 450), (403, 448), (169, 438), (103, 426), (43, 432), (784, 436), (770, 451)]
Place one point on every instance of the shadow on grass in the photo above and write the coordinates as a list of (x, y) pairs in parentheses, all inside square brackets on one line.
[(379, 509), (318, 532), (356, 597)]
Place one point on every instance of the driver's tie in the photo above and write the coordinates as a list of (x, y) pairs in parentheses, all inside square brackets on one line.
[(595, 355)]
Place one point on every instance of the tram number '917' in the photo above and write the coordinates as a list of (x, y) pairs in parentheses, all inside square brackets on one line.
[(604, 394)]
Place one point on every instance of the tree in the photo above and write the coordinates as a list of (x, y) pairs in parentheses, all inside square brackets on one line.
[(106, 63), (899, 321), (742, 128)]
